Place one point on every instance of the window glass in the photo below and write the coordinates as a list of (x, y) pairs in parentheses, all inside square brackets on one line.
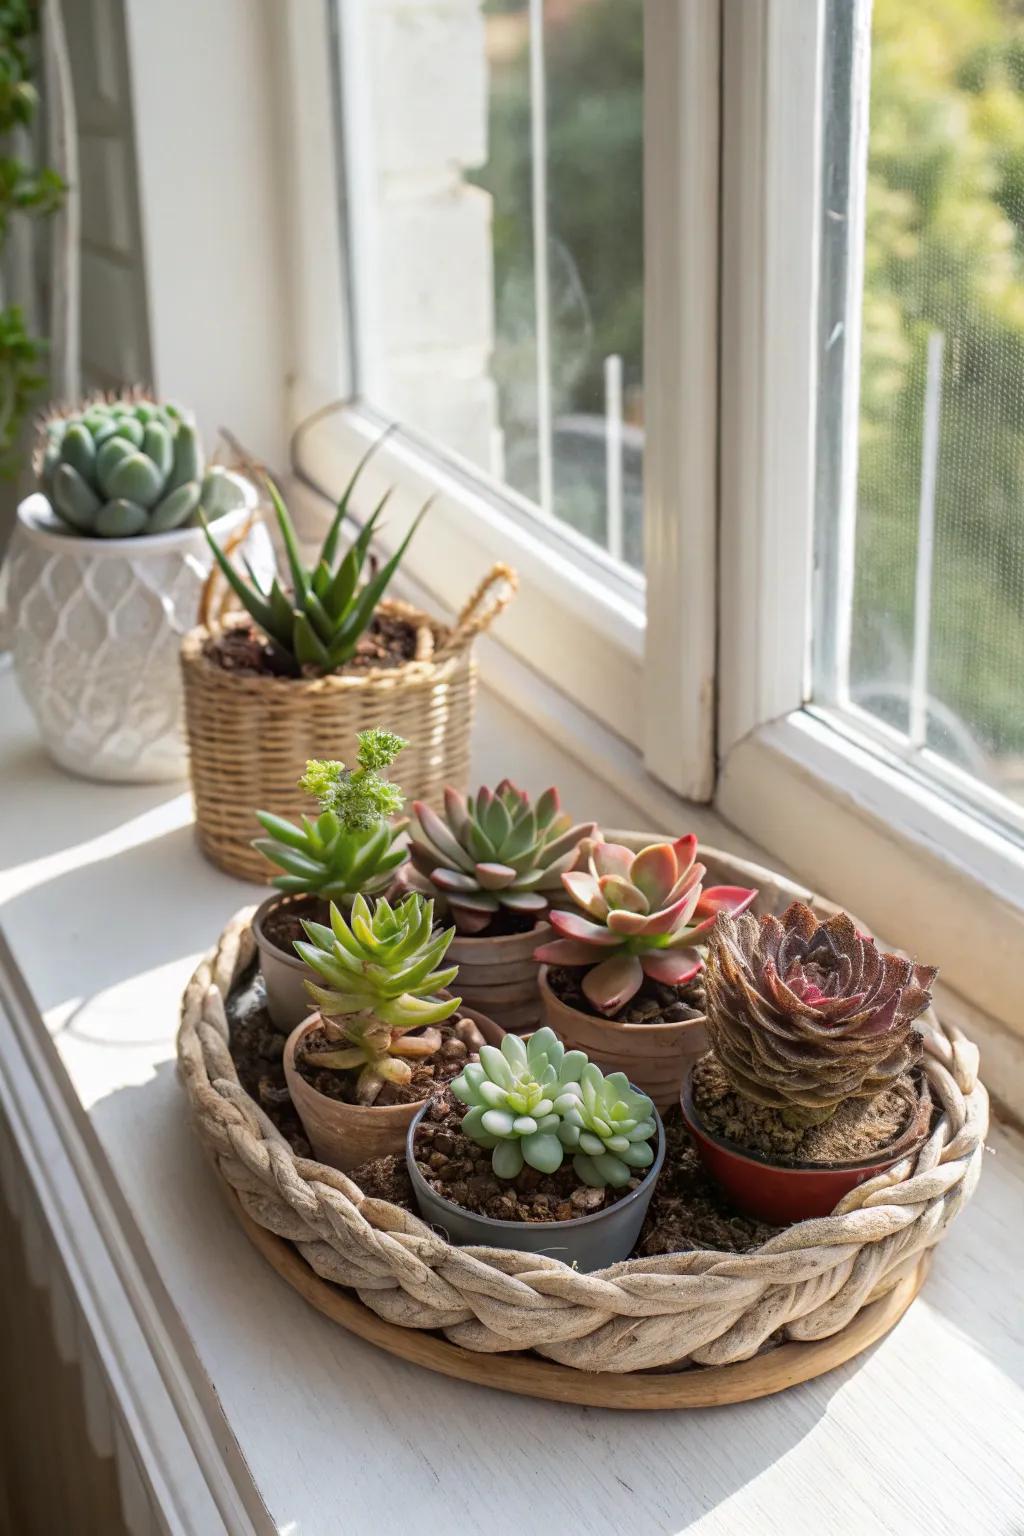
[(923, 329), (495, 191)]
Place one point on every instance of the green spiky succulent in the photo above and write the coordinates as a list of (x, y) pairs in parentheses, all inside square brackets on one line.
[(516, 1097), (608, 1127), (534, 1101), (315, 619), (495, 850), (120, 468), (352, 846), (381, 970)]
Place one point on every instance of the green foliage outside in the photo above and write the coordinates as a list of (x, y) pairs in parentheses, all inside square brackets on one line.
[(945, 251), (23, 189)]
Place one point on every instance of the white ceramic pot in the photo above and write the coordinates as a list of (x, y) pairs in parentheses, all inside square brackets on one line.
[(97, 624)]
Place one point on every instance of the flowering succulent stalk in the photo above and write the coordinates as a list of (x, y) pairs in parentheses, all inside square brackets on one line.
[(609, 1126), (314, 621), (804, 1015), (351, 846), (645, 915), (128, 466), (383, 977), (517, 1096), (495, 850)]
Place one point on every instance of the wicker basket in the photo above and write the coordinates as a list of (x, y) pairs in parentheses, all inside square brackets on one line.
[(698, 1307), (249, 736)]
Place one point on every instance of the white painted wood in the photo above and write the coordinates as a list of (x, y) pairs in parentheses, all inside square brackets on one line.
[(681, 118), (922, 1433), (206, 97), (770, 214)]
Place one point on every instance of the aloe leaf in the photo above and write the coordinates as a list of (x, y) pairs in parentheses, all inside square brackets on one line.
[(254, 604), (362, 609), (330, 544), (300, 579), (308, 648)]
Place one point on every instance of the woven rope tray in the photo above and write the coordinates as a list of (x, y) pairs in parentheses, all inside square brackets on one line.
[(825, 1289)]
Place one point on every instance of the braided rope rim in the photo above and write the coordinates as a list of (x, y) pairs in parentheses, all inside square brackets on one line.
[(699, 1307)]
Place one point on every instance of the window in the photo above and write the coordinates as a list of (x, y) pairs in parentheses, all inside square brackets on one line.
[(920, 481), (496, 241)]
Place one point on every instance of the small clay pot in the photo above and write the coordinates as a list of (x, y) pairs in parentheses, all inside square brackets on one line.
[(499, 975), (345, 1135), (782, 1193), (284, 974), (588, 1242), (656, 1057)]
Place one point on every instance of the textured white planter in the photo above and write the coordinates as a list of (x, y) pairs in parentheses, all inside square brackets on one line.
[(97, 624)]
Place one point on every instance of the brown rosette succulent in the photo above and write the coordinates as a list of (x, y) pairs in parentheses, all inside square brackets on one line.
[(803, 1015)]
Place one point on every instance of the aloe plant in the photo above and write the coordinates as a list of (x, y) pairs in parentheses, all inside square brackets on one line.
[(352, 845), (314, 619)]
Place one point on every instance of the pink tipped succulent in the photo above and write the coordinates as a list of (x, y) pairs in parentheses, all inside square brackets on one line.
[(495, 850), (645, 914)]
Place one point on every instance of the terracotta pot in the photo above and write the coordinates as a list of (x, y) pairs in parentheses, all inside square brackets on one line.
[(587, 1242), (284, 974), (656, 1057), (499, 975), (345, 1135), (782, 1193)]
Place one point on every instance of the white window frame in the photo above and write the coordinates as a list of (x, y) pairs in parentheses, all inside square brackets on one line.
[(730, 372)]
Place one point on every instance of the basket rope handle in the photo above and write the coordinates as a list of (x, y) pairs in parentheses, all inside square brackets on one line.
[(491, 598)]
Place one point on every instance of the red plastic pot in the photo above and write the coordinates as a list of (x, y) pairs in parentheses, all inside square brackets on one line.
[(782, 1193)]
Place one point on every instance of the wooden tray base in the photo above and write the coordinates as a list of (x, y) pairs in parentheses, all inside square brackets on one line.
[(530, 1376)]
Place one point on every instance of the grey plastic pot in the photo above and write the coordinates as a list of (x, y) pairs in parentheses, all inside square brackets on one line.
[(284, 974), (588, 1242)]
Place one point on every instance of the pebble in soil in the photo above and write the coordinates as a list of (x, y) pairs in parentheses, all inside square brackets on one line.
[(654, 1003)]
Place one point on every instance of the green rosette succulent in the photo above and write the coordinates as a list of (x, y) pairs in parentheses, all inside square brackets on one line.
[(609, 1127), (495, 850), (383, 970), (352, 846), (516, 1097), (120, 468)]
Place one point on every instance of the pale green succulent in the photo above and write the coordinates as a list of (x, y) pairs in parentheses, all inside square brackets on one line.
[(609, 1127), (118, 468), (382, 976), (516, 1098)]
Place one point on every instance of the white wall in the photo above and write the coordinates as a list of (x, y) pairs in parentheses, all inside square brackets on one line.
[(208, 136)]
